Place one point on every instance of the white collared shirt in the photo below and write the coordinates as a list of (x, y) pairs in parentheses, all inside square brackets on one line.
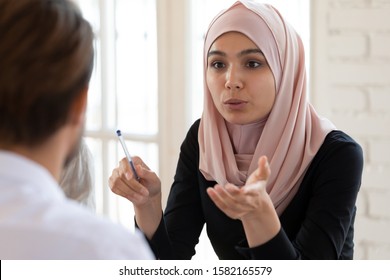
[(38, 222)]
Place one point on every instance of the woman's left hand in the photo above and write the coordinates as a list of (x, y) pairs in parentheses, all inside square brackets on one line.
[(251, 204), (241, 202)]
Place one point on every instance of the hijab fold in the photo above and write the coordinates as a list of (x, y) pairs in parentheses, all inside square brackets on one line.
[(292, 133)]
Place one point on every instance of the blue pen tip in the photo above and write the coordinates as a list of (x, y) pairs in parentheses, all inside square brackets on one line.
[(118, 132)]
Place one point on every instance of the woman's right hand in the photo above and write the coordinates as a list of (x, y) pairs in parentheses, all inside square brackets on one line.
[(145, 194), (122, 182)]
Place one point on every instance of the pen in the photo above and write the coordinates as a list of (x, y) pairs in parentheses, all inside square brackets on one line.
[(118, 132)]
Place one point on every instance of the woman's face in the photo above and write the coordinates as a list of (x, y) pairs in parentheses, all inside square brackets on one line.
[(240, 81)]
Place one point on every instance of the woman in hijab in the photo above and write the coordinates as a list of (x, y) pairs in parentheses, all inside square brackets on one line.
[(268, 176)]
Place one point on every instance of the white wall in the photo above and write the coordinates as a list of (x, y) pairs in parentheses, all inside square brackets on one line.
[(350, 63)]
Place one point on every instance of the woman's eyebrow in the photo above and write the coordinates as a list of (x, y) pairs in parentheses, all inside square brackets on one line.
[(211, 53), (241, 53), (250, 51)]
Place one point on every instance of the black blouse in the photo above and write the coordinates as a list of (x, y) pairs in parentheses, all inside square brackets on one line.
[(317, 224)]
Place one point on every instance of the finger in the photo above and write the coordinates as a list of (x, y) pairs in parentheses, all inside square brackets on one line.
[(263, 171), (139, 188), (216, 198), (235, 198), (114, 179), (222, 204), (232, 190), (127, 191), (138, 161), (125, 169), (117, 185), (230, 205), (146, 176), (228, 192), (239, 199), (127, 183)]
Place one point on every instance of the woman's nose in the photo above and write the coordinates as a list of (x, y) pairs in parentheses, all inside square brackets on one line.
[(233, 80)]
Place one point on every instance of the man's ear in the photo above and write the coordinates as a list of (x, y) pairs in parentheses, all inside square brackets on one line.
[(79, 107)]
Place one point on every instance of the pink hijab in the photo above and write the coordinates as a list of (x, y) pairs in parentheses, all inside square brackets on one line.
[(293, 132)]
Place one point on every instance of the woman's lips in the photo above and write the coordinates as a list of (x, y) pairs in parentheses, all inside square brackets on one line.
[(235, 104)]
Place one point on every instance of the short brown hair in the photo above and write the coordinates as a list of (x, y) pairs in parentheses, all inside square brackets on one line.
[(46, 60)]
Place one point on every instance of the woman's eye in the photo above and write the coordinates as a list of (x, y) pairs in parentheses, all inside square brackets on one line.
[(217, 65), (253, 64)]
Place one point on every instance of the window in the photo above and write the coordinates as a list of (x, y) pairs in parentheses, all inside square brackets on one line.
[(148, 82), (123, 92)]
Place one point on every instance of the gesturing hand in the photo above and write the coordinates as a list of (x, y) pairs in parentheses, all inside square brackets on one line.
[(243, 202), (251, 204)]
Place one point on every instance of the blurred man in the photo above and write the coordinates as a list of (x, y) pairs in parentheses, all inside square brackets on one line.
[(46, 60)]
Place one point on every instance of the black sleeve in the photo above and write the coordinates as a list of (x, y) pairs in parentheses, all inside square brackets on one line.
[(182, 223), (160, 243), (331, 186), (278, 248)]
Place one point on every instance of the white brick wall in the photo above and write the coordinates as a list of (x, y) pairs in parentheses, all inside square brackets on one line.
[(350, 84)]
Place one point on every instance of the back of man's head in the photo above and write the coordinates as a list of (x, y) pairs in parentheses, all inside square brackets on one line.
[(46, 60)]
